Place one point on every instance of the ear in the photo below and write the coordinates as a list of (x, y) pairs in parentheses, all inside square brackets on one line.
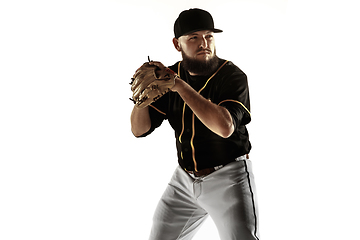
[(176, 44)]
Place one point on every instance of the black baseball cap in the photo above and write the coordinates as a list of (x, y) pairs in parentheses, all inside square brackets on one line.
[(194, 20)]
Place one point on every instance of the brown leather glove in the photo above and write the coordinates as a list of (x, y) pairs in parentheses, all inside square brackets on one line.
[(151, 82)]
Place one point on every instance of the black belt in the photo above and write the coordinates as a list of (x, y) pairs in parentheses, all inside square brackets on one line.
[(207, 171)]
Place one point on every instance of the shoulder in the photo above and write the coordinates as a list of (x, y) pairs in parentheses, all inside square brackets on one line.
[(230, 69), (231, 75)]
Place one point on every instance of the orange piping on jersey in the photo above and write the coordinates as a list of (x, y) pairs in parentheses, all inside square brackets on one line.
[(182, 130), (192, 142), (212, 76), (229, 100), (193, 119), (157, 110), (183, 113), (179, 69)]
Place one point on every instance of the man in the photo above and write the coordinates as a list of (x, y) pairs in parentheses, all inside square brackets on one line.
[(208, 108)]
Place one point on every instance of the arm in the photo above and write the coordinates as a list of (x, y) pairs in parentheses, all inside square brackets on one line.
[(140, 121), (216, 118)]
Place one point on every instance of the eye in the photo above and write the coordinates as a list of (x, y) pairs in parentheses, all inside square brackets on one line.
[(193, 38), (209, 36)]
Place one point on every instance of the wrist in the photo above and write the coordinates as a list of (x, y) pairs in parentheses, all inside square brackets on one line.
[(178, 84)]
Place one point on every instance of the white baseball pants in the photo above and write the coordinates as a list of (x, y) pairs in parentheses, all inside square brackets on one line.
[(227, 195)]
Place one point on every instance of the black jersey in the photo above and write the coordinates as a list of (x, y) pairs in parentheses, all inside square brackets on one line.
[(197, 146)]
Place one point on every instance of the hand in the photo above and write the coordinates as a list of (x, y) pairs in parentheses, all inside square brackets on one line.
[(150, 82), (160, 66)]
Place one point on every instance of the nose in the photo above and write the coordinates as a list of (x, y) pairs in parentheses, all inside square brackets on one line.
[(203, 43)]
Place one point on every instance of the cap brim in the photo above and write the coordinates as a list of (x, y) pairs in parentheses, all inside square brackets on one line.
[(196, 30)]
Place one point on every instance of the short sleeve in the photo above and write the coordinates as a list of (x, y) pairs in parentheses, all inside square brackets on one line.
[(234, 96)]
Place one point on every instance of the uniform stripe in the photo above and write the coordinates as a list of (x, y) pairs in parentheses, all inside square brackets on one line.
[(183, 113), (192, 142), (212, 76), (193, 116), (157, 110), (230, 100), (193, 119), (252, 199), (183, 124)]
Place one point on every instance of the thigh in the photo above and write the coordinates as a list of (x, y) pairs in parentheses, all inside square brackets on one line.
[(177, 215), (230, 199)]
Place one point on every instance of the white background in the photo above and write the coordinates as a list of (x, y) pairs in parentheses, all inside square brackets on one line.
[(70, 167)]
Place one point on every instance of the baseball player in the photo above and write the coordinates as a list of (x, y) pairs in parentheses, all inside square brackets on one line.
[(206, 101)]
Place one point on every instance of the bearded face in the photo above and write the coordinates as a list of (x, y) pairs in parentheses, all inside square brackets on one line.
[(198, 52)]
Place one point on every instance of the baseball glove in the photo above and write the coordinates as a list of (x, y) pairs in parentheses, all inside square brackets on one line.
[(150, 82)]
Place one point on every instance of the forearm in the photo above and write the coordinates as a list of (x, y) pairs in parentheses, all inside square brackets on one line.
[(214, 117), (140, 121)]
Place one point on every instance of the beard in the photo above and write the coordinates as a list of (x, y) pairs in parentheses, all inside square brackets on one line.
[(200, 67)]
